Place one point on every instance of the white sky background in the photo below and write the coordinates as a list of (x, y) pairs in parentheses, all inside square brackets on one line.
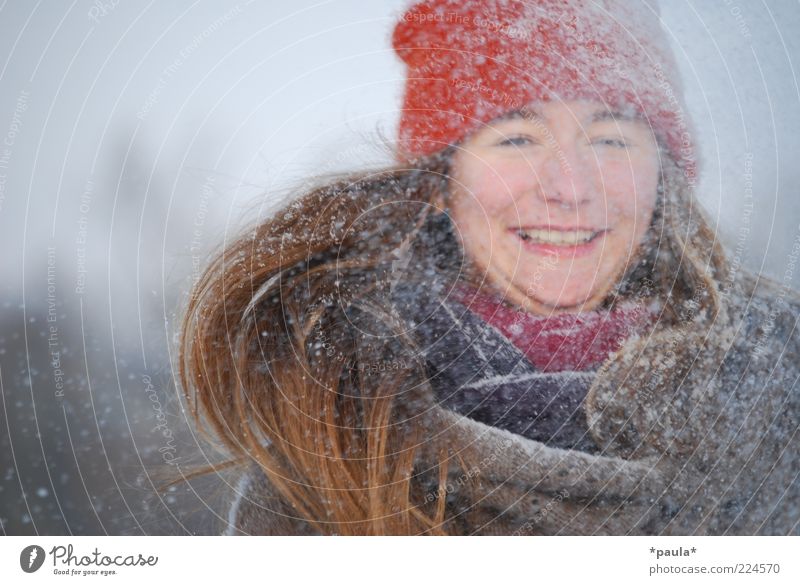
[(126, 97)]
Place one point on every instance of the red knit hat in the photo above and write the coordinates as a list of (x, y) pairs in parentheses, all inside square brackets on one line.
[(470, 61)]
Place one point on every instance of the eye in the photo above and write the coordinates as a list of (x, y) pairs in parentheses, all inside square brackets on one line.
[(610, 141), (517, 141)]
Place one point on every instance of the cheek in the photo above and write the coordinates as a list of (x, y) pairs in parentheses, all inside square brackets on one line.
[(494, 187), (630, 196)]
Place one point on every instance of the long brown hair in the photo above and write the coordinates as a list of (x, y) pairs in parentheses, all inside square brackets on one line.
[(282, 332)]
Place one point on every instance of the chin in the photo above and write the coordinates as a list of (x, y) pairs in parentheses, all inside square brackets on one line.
[(563, 300), (563, 304)]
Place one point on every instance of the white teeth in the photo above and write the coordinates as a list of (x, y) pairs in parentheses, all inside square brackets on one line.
[(558, 238)]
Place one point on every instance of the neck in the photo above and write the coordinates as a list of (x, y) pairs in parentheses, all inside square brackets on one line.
[(490, 283)]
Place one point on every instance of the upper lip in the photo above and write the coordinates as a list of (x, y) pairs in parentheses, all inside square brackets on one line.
[(559, 228)]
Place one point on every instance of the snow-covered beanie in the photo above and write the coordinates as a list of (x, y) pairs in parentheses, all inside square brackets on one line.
[(470, 61)]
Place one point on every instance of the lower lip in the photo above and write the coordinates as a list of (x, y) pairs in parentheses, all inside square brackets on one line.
[(575, 251)]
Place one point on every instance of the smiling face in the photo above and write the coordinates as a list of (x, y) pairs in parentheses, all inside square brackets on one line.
[(551, 204)]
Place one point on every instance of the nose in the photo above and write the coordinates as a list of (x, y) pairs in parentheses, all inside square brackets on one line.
[(565, 178)]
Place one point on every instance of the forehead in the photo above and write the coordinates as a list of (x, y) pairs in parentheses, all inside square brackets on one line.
[(581, 111)]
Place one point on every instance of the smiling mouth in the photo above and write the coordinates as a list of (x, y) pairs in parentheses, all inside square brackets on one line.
[(558, 237)]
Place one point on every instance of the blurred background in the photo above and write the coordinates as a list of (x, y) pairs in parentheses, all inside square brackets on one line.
[(137, 138)]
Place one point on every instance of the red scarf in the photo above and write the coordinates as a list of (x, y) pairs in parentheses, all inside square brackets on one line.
[(570, 341)]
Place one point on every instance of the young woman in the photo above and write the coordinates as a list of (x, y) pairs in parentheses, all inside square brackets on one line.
[(524, 327)]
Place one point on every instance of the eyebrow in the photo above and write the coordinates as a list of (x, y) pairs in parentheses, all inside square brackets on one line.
[(519, 114), (615, 116), (603, 115)]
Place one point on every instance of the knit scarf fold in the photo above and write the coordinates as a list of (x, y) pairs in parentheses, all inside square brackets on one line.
[(561, 342), (513, 370)]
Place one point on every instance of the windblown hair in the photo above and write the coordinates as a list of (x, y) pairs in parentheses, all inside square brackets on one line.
[(283, 330)]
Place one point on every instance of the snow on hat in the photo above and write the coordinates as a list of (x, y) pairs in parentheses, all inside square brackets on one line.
[(470, 61)]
